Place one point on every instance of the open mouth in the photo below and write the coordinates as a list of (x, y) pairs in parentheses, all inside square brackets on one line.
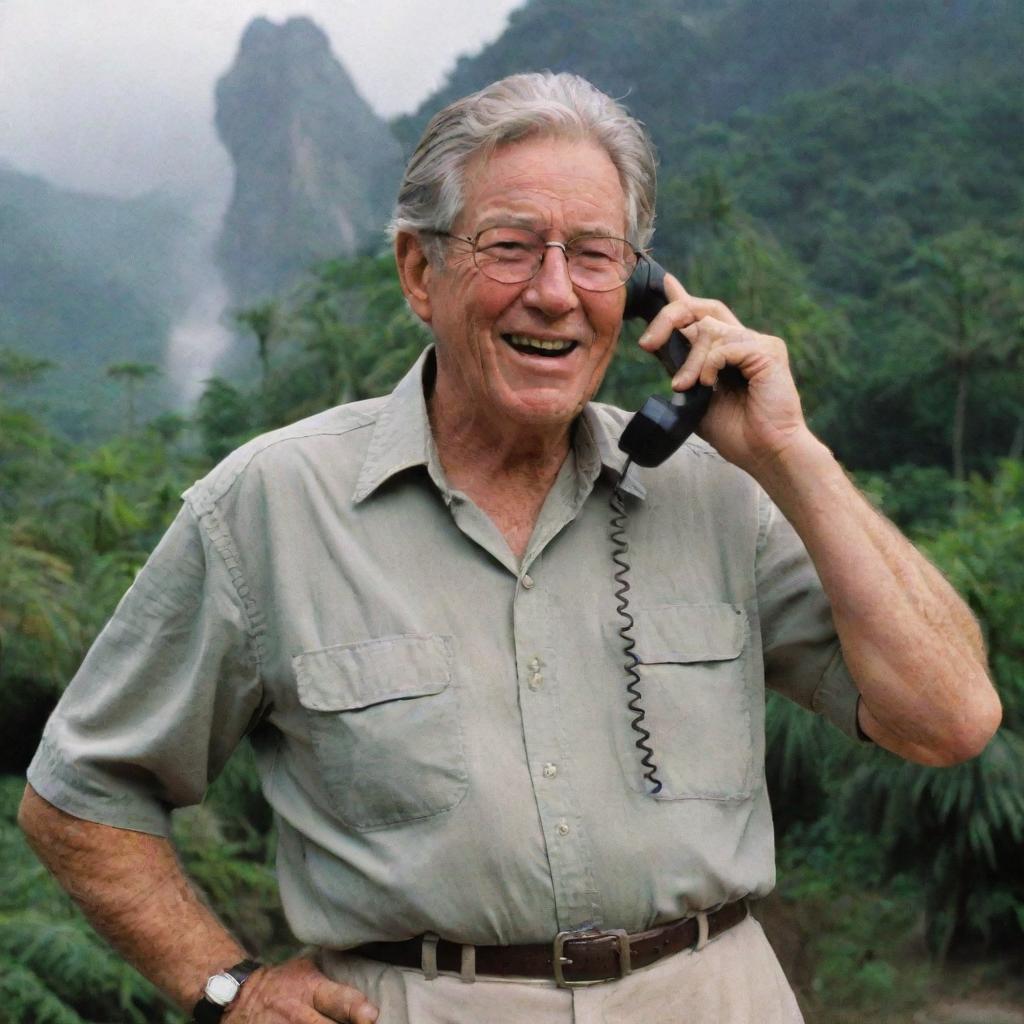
[(550, 348)]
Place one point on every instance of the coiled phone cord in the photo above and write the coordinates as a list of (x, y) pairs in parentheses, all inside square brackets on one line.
[(620, 548)]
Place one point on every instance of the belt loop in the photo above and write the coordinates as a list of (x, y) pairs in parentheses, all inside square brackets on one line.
[(428, 955), (702, 931), (468, 972)]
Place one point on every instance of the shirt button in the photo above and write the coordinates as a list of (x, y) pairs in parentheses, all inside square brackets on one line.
[(534, 664), (528, 582), (535, 681), (550, 771), (563, 829)]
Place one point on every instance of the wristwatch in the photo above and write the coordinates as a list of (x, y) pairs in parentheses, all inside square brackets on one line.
[(220, 992)]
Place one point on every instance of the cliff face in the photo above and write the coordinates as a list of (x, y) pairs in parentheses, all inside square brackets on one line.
[(315, 169)]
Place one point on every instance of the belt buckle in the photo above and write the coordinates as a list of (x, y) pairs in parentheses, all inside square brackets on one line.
[(559, 959)]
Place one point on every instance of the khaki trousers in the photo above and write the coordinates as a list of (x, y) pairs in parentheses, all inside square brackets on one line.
[(736, 979)]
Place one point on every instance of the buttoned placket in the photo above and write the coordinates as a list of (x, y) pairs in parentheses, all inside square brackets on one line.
[(551, 767), (570, 860), (577, 901)]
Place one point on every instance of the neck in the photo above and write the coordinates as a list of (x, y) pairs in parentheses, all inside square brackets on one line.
[(507, 472), (476, 447)]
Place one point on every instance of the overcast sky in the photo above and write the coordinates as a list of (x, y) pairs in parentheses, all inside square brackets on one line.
[(117, 95)]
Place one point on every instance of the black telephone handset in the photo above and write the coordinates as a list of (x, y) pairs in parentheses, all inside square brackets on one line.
[(662, 424)]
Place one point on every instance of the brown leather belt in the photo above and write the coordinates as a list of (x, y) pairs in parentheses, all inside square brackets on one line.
[(573, 958)]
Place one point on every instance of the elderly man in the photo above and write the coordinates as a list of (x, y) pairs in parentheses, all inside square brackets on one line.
[(408, 604)]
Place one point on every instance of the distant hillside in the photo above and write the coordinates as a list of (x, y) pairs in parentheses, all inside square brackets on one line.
[(315, 169), (86, 281), (843, 133), (678, 63), (852, 177), (851, 130)]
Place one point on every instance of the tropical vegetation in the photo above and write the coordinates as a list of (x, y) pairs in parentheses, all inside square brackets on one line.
[(871, 216)]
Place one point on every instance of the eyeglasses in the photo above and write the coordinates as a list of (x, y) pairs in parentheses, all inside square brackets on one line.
[(596, 263)]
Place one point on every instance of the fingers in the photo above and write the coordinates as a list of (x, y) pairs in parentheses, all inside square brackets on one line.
[(343, 1003), (715, 345), (297, 1013), (682, 311), (701, 336), (296, 992), (749, 355), (717, 339), (699, 307), (704, 336)]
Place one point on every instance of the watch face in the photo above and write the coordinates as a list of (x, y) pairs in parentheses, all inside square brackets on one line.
[(221, 989)]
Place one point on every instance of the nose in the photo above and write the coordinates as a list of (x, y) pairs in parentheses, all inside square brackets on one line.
[(550, 290)]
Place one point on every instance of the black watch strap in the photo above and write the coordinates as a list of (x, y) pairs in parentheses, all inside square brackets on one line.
[(208, 1012)]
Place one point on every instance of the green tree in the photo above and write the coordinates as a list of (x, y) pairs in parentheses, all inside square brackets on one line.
[(351, 336), (224, 416), (959, 830), (131, 375), (39, 630), (20, 368), (804, 756), (115, 516), (263, 321), (968, 295)]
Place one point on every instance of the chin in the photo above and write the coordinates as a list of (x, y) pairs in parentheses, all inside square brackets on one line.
[(541, 411)]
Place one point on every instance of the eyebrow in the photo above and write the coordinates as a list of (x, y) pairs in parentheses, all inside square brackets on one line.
[(513, 220)]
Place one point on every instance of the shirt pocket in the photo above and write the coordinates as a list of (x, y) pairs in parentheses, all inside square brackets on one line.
[(384, 722), (696, 694)]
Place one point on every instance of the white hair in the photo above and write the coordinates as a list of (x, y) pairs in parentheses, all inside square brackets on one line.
[(544, 104)]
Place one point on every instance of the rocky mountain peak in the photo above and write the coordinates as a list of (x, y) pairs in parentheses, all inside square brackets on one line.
[(315, 169)]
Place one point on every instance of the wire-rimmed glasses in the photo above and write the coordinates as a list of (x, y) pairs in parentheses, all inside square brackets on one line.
[(513, 255)]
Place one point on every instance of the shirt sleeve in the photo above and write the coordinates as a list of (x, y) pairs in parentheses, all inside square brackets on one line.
[(164, 695), (802, 656)]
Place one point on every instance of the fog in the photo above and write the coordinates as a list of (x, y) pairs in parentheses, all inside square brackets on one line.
[(116, 96)]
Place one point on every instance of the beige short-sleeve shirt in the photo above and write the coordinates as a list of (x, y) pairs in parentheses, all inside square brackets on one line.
[(440, 727)]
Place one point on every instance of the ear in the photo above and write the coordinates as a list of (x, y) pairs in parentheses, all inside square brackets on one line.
[(415, 273)]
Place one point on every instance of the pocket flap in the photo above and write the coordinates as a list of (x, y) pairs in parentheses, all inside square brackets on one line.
[(690, 632), (346, 677)]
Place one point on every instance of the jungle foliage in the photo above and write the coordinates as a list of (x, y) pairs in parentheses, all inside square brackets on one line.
[(870, 215), (78, 521)]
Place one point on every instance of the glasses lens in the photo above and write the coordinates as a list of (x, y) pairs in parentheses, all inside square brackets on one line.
[(597, 263), (600, 263), (509, 255)]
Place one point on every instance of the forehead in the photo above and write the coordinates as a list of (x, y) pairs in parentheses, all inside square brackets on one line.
[(556, 183)]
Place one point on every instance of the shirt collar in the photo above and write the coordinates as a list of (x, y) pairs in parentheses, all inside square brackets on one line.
[(594, 432), (402, 439), (401, 434)]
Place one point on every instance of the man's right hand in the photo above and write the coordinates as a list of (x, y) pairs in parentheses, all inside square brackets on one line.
[(135, 894), (296, 992)]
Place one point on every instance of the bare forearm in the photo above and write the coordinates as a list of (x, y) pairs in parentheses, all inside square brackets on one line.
[(909, 641), (135, 894)]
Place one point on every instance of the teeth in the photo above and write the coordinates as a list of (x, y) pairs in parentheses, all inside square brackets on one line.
[(546, 345)]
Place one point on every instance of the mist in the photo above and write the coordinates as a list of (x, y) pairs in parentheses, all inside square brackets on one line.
[(116, 98)]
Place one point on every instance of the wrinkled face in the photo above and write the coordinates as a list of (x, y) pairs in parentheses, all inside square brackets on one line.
[(534, 353)]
